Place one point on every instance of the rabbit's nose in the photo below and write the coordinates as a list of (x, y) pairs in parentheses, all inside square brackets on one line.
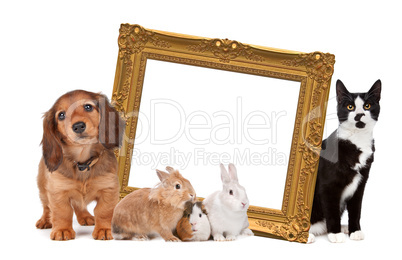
[(243, 204)]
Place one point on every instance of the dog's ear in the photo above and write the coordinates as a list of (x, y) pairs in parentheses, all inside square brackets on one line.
[(111, 126), (51, 144)]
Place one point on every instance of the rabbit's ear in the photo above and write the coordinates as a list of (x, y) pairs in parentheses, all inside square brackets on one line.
[(169, 169), (224, 175), (233, 172), (162, 175)]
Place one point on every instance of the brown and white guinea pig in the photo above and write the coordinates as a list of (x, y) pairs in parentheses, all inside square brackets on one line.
[(146, 212), (194, 225)]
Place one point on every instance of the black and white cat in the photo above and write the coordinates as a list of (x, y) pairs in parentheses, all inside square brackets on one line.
[(344, 165)]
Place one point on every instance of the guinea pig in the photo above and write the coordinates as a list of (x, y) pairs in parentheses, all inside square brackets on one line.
[(194, 225)]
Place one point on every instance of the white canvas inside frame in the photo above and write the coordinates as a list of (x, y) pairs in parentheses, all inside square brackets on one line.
[(195, 118)]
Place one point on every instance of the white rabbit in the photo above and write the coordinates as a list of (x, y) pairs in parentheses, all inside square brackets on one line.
[(227, 209)]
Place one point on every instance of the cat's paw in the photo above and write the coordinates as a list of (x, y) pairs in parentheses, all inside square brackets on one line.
[(337, 238), (311, 238), (357, 235)]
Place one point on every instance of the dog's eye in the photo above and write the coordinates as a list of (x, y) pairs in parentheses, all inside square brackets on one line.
[(61, 116), (177, 186), (88, 107)]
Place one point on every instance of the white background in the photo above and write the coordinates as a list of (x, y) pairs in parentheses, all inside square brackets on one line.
[(49, 48)]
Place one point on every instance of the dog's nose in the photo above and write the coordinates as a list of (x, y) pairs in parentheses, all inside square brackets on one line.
[(79, 127)]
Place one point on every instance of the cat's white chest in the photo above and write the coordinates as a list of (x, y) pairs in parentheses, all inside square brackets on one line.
[(363, 141), (365, 146)]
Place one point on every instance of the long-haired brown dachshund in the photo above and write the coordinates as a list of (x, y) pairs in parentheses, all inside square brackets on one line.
[(78, 166)]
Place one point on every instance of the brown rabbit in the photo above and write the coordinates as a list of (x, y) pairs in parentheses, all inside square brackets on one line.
[(147, 211)]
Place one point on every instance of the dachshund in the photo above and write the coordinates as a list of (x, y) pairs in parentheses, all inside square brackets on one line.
[(80, 133)]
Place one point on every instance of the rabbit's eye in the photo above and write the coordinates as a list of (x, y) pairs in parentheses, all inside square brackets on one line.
[(231, 192), (177, 186), (188, 215), (200, 215)]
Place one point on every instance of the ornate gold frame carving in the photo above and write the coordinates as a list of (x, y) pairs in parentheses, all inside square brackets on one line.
[(312, 70)]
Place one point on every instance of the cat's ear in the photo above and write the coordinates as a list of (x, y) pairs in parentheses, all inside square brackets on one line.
[(375, 91), (341, 91)]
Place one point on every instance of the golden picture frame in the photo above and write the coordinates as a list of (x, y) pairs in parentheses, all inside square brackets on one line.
[(312, 70)]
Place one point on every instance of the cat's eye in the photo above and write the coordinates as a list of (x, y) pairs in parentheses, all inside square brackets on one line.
[(350, 107), (367, 106)]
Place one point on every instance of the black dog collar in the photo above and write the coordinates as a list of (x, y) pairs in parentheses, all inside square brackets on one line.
[(86, 166)]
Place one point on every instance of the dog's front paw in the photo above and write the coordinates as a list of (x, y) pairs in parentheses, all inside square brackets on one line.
[(102, 234), (62, 234), (86, 221), (43, 223)]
